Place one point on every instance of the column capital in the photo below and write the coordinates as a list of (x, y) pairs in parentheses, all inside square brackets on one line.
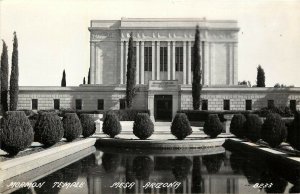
[(152, 43), (137, 43), (142, 43), (184, 43), (158, 43), (168, 43)]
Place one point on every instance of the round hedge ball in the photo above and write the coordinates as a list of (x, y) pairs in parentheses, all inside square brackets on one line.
[(273, 130), (17, 133), (111, 124), (72, 126), (48, 129), (88, 125), (181, 127), (143, 127), (237, 125), (213, 126), (253, 126)]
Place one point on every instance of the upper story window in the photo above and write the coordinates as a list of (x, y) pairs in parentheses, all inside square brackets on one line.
[(293, 105), (204, 105), (100, 104), (148, 59), (226, 105), (122, 104), (248, 104), (271, 104), (179, 58), (34, 104), (163, 58)]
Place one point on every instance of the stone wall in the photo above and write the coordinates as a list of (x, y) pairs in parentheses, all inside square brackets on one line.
[(112, 94)]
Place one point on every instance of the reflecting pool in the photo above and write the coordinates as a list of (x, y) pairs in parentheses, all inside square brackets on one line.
[(110, 171)]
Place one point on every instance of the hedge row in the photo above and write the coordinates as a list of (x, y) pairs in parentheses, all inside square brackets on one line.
[(18, 131), (123, 115)]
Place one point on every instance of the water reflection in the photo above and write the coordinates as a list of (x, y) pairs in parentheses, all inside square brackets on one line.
[(204, 173)]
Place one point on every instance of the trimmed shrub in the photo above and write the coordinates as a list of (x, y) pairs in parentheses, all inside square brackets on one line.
[(111, 125), (213, 163), (212, 126), (17, 133), (180, 127), (294, 131), (143, 166), (273, 130), (181, 168), (237, 125), (282, 111), (48, 129), (72, 126), (33, 119), (143, 127), (88, 125), (253, 126)]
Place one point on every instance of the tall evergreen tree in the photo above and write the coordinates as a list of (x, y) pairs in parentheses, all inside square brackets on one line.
[(131, 70), (260, 79), (4, 78), (196, 85), (84, 80), (14, 76), (89, 76), (63, 79)]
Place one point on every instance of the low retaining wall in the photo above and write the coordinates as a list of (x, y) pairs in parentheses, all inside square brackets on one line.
[(14, 167), (160, 144)]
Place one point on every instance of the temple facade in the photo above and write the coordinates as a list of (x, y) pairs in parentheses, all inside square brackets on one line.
[(163, 50)]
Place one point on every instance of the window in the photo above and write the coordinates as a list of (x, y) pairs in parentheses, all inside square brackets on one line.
[(163, 59), (204, 105), (271, 104), (192, 58), (56, 103), (100, 104), (148, 59), (34, 104), (179, 58), (226, 105), (248, 104), (122, 104), (293, 105), (78, 104)]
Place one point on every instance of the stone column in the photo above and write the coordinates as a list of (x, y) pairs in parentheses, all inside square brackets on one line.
[(184, 63), (189, 75), (235, 64), (137, 57), (97, 66), (230, 65), (206, 65), (126, 55), (153, 59), (173, 60), (121, 63), (92, 62), (157, 60), (169, 60), (142, 62)]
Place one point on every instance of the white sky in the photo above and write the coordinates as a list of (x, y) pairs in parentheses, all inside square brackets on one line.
[(53, 34)]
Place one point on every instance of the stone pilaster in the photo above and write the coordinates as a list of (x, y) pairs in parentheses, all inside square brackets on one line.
[(173, 60), (235, 63), (206, 65), (137, 57), (153, 60), (189, 71), (92, 62), (157, 60), (184, 63), (169, 60), (121, 62), (142, 62), (126, 56)]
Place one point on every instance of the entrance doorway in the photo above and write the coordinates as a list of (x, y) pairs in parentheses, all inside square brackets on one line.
[(163, 107)]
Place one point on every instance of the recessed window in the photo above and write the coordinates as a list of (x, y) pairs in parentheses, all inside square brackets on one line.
[(248, 104), (78, 104), (179, 58), (163, 58), (148, 59), (100, 104), (56, 103), (293, 105), (34, 104), (271, 104), (226, 105), (122, 104), (204, 105)]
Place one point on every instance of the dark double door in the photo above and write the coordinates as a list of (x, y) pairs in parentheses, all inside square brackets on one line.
[(163, 107)]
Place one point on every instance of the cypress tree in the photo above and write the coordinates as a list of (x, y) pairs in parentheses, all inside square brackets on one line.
[(4, 78), (131, 68), (63, 79), (260, 79), (89, 78), (84, 80), (14, 76), (196, 85)]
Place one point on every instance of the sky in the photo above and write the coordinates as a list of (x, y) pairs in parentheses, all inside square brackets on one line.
[(53, 34)]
